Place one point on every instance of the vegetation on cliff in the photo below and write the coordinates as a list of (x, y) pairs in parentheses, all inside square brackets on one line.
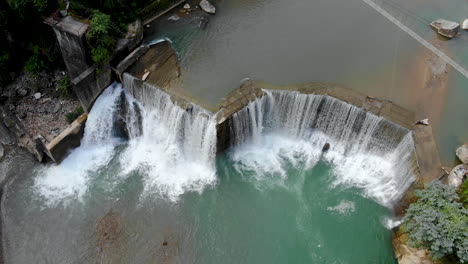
[(30, 45), (438, 221)]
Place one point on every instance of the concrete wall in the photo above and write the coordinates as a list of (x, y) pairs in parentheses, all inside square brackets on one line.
[(90, 84), (70, 35), (70, 138)]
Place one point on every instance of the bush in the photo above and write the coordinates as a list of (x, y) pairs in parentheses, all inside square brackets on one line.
[(72, 116), (438, 222), (64, 86), (100, 37), (463, 192), (34, 64)]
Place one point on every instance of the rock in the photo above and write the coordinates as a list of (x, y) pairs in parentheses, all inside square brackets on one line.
[(462, 153), (63, 13), (465, 24), (456, 176), (37, 96), (21, 115), (423, 122), (134, 29), (207, 7), (326, 147), (56, 108), (203, 22), (408, 255), (446, 28), (22, 92), (11, 107), (174, 18), (187, 6)]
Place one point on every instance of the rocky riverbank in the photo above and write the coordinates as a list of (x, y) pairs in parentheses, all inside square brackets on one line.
[(41, 102)]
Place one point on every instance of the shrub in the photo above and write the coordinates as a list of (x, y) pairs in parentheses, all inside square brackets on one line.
[(64, 86), (463, 192), (100, 37), (72, 116), (34, 64), (438, 222)]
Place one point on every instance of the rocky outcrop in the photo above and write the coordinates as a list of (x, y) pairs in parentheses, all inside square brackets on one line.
[(465, 24), (457, 175), (462, 153), (406, 254), (206, 6)]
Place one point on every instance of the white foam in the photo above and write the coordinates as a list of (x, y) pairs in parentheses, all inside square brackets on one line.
[(344, 207), (174, 152), (70, 179), (287, 127)]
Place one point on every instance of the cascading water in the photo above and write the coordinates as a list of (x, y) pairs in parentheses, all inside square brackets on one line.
[(172, 148), (366, 151)]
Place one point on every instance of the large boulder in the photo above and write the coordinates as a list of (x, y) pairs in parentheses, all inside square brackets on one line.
[(457, 174), (462, 153), (446, 28), (207, 7), (465, 24)]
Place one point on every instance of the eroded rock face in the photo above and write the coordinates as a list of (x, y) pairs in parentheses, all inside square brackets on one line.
[(408, 255), (457, 174), (462, 153), (207, 7)]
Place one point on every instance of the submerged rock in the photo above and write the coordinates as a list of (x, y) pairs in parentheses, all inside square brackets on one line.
[(446, 28), (207, 7), (174, 18), (462, 153), (456, 176), (37, 96), (187, 6)]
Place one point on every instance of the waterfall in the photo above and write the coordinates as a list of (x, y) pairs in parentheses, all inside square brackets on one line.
[(366, 150), (177, 149), (171, 148)]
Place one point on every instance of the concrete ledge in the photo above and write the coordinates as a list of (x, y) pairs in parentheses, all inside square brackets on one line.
[(67, 140), (130, 59)]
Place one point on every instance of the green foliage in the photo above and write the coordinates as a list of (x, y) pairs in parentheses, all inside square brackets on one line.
[(100, 37), (34, 64), (72, 116), (438, 222), (463, 192), (64, 86), (26, 7)]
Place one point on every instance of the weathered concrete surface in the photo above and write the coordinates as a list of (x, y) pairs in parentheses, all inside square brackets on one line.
[(430, 167), (161, 61), (70, 36), (130, 59), (161, 65), (90, 84), (67, 140)]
